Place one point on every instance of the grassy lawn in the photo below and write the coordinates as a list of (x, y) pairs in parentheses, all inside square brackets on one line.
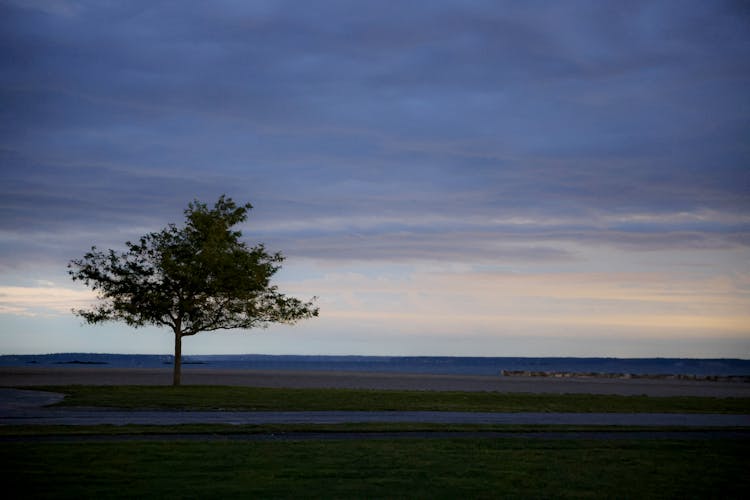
[(385, 468), (358, 427), (254, 398), (435, 468)]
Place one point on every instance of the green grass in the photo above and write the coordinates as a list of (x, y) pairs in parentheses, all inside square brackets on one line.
[(359, 427), (395, 468), (269, 399), (439, 468)]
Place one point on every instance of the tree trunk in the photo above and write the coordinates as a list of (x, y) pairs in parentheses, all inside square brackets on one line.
[(176, 375)]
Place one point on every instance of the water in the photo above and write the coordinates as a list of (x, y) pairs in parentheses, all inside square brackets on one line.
[(402, 364)]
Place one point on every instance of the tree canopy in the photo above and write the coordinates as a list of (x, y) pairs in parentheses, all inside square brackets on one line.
[(195, 278)]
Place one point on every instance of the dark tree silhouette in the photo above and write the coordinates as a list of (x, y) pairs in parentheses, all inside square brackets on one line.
[(196, 278)]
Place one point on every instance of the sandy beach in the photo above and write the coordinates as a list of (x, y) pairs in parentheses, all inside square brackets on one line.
[(36, 376)]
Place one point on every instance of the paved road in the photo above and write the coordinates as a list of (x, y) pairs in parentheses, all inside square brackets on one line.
[(19, 407)]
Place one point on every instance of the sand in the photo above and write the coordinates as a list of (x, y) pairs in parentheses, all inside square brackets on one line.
[(36, 376)]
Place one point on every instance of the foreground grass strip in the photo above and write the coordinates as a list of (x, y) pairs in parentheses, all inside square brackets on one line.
[(442, 468), (271, 399), (186, 429)]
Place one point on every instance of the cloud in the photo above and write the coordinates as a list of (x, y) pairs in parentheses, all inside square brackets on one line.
[(490, 239), (42, 301), (53, 7), (496, 303), (459, 133)]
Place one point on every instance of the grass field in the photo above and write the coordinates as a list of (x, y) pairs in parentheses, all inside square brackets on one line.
[(434, 468), (363, 428), (381, 468), (269, 399)]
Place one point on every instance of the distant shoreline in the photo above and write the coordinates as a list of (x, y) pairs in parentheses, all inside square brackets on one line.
[(626, 368), (627, 376)]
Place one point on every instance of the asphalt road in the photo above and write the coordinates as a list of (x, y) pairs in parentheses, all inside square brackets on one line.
[(20, 407)]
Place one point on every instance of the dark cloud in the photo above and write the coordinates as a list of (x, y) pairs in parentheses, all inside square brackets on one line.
[(116, 115), (408, 246), (498, 245)]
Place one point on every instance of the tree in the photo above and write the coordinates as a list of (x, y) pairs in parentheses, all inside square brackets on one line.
[(192, 279)]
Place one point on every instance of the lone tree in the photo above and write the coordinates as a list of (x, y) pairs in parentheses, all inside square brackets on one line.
[(195, 278)]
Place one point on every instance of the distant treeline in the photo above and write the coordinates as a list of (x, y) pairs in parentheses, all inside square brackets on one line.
[(658, 376)]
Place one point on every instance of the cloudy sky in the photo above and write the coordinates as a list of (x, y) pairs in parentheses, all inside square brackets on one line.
[(489, 178)]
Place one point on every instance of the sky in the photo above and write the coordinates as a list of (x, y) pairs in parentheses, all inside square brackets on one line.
[(469, 178)]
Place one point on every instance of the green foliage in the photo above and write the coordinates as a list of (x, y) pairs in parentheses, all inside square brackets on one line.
[(196, 278)]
